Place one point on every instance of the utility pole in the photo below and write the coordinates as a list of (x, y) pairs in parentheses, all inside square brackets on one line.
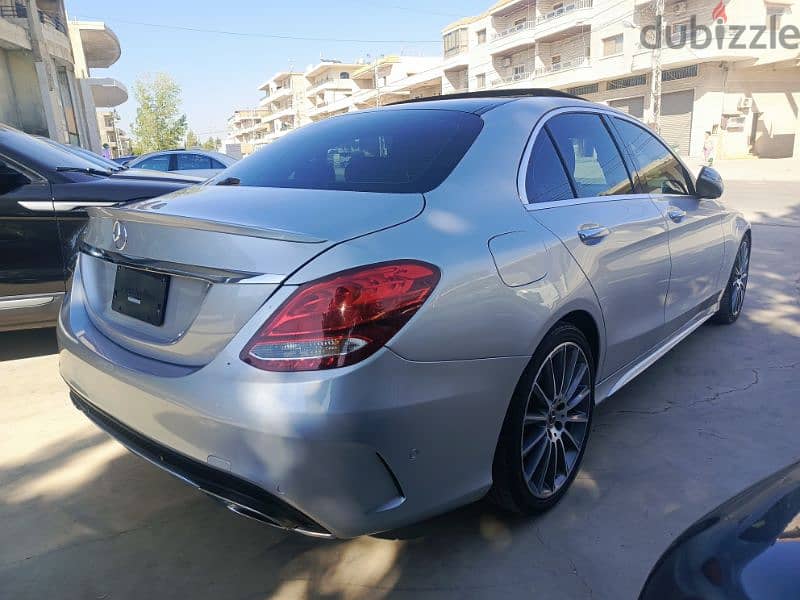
[(655, 75)]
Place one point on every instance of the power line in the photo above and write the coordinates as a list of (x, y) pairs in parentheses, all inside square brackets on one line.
[(422, 11), (277, 36)]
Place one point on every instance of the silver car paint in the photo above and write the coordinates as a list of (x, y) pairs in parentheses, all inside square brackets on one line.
[(429, 406)]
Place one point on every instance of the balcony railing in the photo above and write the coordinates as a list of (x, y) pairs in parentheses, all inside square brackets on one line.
[(523, 76), (566, 9), (20, 11), (512, 30), (564, 65)]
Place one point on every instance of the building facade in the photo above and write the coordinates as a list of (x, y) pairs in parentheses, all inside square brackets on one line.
[(117, 139), (331, 87), (46, 86), (603, 50)]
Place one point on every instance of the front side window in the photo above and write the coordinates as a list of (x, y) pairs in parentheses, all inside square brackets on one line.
[(612, 45), (10, 178), (155, 163), (590, 155), (659, 170), (394, 151), (189, 162), (546, 180)]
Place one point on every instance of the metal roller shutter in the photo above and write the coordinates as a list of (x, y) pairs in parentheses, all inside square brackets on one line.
[(676, 120), (633, 106)]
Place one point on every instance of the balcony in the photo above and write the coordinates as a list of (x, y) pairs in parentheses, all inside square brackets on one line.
[(100, 44), (513, 38), (514, 78), (107, 92), (571, 16)]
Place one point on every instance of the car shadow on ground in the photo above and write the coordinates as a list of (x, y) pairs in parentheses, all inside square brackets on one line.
[(15, 345), (714, 415)]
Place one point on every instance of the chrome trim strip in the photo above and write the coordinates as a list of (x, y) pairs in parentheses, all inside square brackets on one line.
[(66, 206), (613, 383), (208, 274), (17, 302), (139, 216), (37, 205)]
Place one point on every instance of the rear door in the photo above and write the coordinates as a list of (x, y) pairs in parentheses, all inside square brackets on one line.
[(696, 236), (31, 265), (579, 187)]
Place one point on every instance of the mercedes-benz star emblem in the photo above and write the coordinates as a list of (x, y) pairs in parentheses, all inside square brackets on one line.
[(119, 235)]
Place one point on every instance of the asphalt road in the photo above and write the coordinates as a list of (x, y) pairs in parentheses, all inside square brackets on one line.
[(81, 518)]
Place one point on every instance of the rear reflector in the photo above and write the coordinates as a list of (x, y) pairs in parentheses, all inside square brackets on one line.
[(341, 319)]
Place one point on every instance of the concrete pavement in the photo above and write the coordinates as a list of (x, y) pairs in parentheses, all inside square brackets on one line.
[(82, 518)]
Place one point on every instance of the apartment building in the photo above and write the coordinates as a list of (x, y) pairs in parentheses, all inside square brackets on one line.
[(331, 87), (46, 87), (118, 141), (602, 50)]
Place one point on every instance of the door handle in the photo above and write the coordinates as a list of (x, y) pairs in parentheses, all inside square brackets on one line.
[(593, 233), (676, 214)]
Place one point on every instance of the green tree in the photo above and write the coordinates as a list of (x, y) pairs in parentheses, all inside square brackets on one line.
[(192, 140), (158, 124), (210, 144)]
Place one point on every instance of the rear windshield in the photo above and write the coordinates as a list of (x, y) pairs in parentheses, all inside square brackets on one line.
[(395, 151)]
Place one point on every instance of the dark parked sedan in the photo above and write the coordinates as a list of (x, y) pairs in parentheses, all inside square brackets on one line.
[(44, 193), (747, 548)]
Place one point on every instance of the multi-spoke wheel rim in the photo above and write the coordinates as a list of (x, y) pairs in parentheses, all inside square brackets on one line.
[(556, 419), (741, 269)]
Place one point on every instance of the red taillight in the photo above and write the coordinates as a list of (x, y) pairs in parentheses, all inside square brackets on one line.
[(341, 319)]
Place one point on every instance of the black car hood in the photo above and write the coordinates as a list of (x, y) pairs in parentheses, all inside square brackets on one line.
[(148, 175), (749, 547), (116, 189)]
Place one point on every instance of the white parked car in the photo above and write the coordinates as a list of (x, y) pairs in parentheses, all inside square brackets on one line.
[(197, 162)]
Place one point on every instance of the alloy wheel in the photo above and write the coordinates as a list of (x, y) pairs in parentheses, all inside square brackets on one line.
[(741, 270), (556, 419)]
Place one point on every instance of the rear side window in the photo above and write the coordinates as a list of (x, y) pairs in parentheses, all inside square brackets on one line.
[(405, 151), (155, 163), (590, 155), (659, 171), (188, 162), (546, 180)]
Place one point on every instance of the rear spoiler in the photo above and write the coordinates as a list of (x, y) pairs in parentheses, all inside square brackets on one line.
[(155, 218)]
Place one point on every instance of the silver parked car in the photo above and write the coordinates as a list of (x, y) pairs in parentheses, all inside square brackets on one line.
[(388, 314), (195, 162)]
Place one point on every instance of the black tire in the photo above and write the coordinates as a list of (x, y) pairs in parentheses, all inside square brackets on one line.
[(511, 489), (729, 307)]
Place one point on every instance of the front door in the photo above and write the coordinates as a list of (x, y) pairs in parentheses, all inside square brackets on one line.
[(618, 237), (696, 237), (31, 265)]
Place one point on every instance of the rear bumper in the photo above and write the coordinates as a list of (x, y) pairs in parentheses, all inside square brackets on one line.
[(240, 496), (345, 452)]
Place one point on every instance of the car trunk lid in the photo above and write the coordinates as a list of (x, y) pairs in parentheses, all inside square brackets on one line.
[(226, 250)]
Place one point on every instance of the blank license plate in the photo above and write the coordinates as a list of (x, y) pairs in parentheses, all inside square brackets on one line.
[(140, 294)]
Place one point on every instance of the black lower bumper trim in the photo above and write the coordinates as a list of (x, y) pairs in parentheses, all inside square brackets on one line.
[(237, 494)]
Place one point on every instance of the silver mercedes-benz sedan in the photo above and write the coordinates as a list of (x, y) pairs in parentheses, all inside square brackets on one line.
[(390, 313)]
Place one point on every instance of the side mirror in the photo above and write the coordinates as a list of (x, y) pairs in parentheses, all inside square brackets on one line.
[(709, 183)]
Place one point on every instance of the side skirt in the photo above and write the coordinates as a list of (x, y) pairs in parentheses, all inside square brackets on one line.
[(614, 382)]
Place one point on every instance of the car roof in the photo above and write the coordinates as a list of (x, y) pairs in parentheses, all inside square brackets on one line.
[(482, 101)]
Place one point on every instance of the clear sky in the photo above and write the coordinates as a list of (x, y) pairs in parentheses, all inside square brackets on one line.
[(221, 72)]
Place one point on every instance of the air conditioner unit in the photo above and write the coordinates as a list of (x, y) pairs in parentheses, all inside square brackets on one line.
[(506, 62), (746, 103), (679, 8)]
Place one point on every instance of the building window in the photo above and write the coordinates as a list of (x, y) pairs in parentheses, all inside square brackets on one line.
[(344, 75), (679, 73), (518, 72), (480, 81), (612, 45), (455, 42), (626, 82), (583, 90), (555, 62), (481, 36)]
